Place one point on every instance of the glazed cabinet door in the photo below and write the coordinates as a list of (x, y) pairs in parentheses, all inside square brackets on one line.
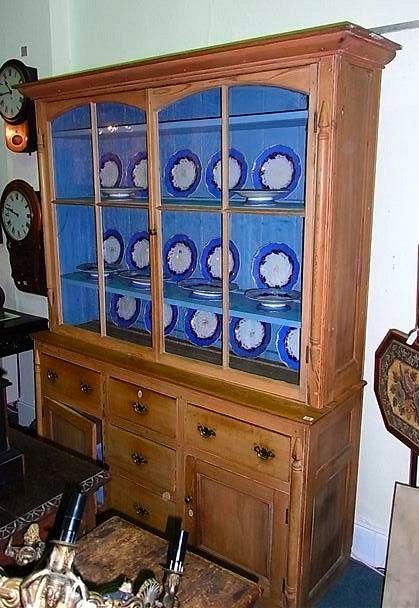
[(239, 521), (69, 429)]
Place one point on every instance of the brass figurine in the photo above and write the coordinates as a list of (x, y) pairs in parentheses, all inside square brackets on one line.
[(31, 550)]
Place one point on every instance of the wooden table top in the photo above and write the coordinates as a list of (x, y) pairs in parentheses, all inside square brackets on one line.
[(118, 547)]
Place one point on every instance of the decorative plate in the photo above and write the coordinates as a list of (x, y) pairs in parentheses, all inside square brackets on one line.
[(278, 167), (211, 260), (288, 346), (275, 265), (202, 327), (272, 298), (91, 268), (119, 193), (113, 247), (137, 254), (137, 172), (180, 256), (182, 173), (170, 316), (141, 278), (237, 172), (110, 170), (205, 289), (259, 197), (248, 337), (124, 310)]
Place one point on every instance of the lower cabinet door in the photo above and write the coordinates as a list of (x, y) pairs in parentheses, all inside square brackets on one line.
[(131, 499), (238, 520), (68, 428)]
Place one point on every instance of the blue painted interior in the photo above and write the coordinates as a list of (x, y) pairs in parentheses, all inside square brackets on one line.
[(260, 117)]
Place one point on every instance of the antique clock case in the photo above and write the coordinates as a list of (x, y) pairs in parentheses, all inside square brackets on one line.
[(219, 182)]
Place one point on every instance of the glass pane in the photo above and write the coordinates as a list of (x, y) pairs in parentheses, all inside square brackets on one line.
[(265, 312), (190, 150), (78, 266), (268, 132), (72, 154), (122, 152), (126, 247), (192, 284)]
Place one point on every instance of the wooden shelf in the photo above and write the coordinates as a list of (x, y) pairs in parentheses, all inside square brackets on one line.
[(240, 306)]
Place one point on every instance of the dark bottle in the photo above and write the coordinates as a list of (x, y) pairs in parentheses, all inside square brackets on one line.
[(72, 519)]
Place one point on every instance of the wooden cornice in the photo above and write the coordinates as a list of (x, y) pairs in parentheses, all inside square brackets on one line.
[(257, 54)]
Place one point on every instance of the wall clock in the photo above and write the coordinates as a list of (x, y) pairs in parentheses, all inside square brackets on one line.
[(17, 111), (20, 210)]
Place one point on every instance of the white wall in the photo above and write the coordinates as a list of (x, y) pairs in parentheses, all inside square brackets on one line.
[(86, 34)]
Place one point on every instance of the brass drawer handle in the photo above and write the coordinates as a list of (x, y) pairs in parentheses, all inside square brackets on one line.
[(188, 500), (141, 511), (264, 453), (85, 388), (139, 408), (206, 432), (52, 375), (138, 458)]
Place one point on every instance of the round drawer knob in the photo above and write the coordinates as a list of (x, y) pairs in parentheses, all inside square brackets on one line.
[(139, 393)]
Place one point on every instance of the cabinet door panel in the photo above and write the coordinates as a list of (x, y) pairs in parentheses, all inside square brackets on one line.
[(232, 517), (69, 429)]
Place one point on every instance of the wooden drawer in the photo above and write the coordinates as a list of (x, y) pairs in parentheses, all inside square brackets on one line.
[(71, 384), (141, 460), (238, 442), (134, 403), (137, 502)]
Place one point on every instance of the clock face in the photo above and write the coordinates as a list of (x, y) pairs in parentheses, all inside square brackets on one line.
[(16, 215), (11, 100)]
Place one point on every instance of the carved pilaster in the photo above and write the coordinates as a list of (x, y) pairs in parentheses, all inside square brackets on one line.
[(295, 524)]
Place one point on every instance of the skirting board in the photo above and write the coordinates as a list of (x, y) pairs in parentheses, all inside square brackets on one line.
[(369, 546)]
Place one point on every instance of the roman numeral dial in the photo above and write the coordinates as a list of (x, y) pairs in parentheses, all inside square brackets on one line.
[(16, 215)]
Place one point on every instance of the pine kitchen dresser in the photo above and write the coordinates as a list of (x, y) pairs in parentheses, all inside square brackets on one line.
[(207, 221)]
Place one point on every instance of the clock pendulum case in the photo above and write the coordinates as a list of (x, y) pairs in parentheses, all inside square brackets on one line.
[(20, 210), (17, 111)]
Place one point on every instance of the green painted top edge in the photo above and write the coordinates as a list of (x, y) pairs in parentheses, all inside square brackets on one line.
[(342, 25)]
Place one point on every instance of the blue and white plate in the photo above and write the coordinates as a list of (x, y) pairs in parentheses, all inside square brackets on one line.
[(137, 254), (248, 337), (277, 168), (237, 172), (206, 289), (91, 268), (288, 346), (113, 246), (137, 173), (124, 310), (202, 327), (170, 316), (275, 265), (110, 170), (180, 256), (211, 260), (182, 173)]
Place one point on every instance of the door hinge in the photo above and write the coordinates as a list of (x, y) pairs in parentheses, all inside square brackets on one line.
[(307, 353), (283, 585), (315, 121), (286, 516)]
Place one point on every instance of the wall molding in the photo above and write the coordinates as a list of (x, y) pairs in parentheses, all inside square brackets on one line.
[(369, 546)]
